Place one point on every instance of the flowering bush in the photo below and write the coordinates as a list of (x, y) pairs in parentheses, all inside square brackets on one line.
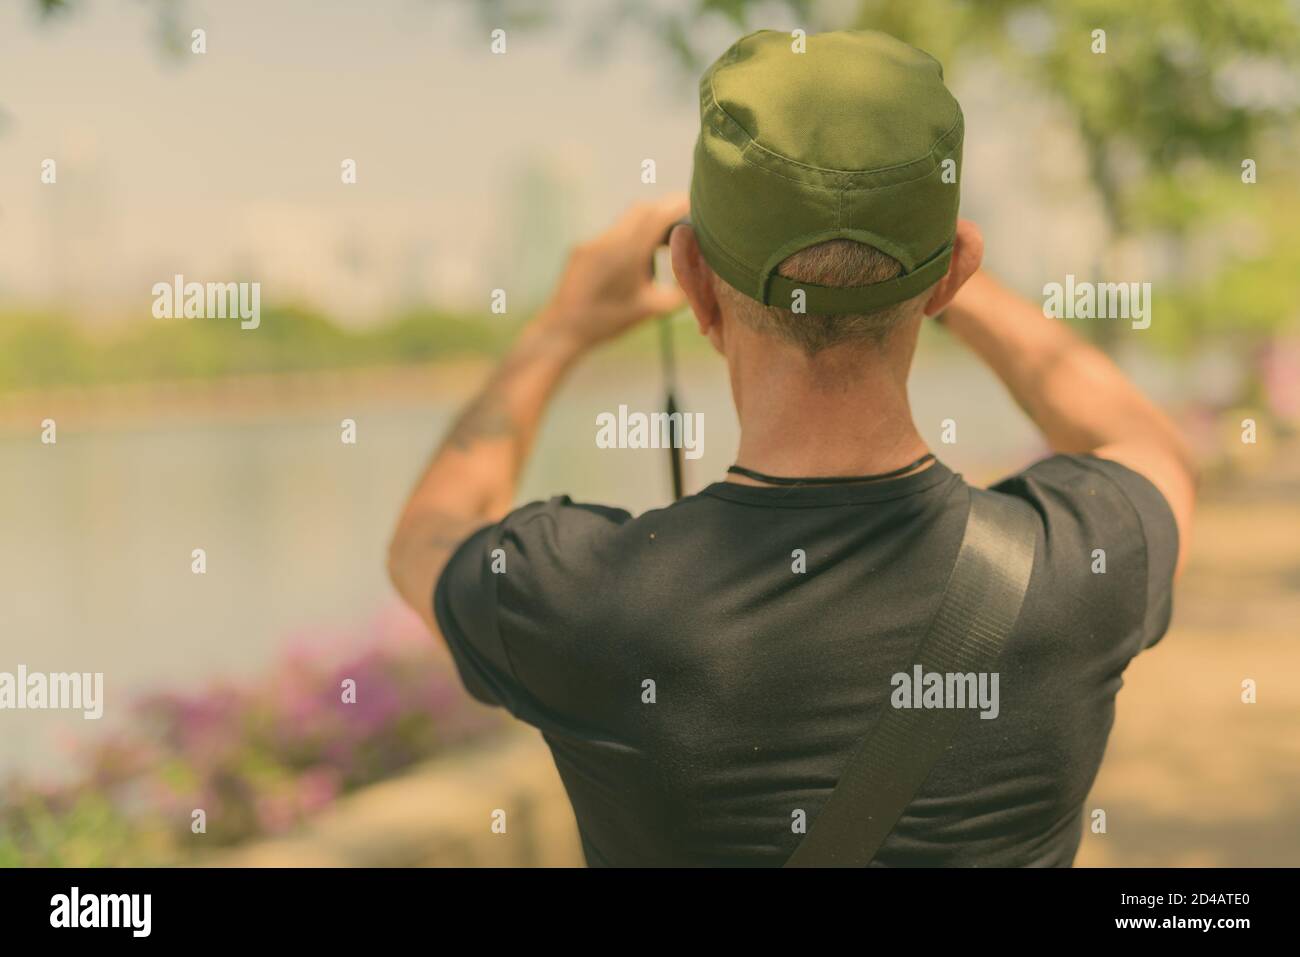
[(256, 758)]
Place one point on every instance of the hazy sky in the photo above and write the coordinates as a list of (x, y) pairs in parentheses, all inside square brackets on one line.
[(202, 164), (474, 169)]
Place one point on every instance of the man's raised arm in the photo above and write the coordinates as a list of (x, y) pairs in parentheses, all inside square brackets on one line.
[(606, 288), (1073, 392)]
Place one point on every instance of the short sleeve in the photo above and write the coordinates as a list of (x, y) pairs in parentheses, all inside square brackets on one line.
[(512, 582), (1101, 516), (463, 605)]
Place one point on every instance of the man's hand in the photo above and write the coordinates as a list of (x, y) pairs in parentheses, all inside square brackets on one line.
[(607, 286)]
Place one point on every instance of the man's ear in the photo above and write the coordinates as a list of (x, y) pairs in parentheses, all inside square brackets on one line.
[(694, 276), (967, 254)]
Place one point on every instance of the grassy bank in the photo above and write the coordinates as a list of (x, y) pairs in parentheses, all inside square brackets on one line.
[(39, 352)]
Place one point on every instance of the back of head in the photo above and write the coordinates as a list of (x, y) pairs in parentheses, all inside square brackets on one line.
[(836, 262), (825, 190)]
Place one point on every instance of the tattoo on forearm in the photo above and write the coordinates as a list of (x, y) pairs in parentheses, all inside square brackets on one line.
[(485, 418)]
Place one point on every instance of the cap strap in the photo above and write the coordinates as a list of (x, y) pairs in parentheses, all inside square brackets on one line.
[(855, 300)]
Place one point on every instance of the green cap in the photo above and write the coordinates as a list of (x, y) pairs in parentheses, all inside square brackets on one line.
[(847, 140)]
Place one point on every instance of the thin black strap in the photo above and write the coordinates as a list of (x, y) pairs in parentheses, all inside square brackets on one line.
[(979, 607), (829, 479)]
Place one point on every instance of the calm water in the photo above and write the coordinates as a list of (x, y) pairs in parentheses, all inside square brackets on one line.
[(98, 530)]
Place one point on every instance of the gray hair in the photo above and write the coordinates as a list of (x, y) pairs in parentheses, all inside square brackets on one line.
[(836, 262)]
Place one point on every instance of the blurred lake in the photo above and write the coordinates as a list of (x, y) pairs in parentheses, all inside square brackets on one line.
[(98, 529)]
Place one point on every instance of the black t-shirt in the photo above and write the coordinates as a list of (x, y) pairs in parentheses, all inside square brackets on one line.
[(698, 690)]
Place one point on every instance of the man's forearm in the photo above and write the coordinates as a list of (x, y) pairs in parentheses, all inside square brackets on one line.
[(606, 288), (1073, 392), (472, 477), (475, 471), (1077, 397)]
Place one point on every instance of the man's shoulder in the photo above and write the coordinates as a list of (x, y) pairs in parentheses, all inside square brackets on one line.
[(1108, 548), (557, 551)]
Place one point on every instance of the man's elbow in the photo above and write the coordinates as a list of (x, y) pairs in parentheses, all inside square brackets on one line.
[(399, 563), (1191, 469), (394, 565), (1186, 457), (419, 550)]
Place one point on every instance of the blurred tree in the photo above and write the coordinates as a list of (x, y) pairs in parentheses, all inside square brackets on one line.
[(1183, 84), (1184, 92), (168, 13), (1186, 88)]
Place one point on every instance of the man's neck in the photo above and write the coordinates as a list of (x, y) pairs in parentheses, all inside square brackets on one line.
[(842, 412)]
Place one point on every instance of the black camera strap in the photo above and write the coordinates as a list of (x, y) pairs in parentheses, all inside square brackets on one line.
[(976, 614)]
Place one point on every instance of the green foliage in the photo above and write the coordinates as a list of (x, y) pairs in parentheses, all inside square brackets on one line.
[(47, 351), (1253, 292), (1174, 84), (1185, 90), (52, 8)]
